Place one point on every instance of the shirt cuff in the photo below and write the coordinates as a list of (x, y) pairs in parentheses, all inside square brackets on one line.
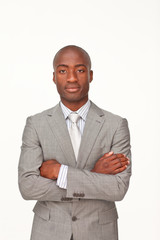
[(62, 177)]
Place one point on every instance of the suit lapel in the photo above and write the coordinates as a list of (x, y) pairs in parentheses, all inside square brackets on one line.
[(94, 123), (59, 128)]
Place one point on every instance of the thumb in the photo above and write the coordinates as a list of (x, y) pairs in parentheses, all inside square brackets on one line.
[(109, 154)]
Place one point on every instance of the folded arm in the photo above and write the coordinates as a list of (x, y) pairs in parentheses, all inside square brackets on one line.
[(32, 185), (108, 180), (93, 185)]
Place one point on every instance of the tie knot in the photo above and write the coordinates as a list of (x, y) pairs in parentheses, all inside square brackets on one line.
[(74, 117)]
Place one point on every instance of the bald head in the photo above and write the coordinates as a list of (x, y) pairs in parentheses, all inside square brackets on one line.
[(70, 50)]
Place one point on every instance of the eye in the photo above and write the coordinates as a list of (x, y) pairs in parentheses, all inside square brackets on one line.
[(80, 70), (62, 71)]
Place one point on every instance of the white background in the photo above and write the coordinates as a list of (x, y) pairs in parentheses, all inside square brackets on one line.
[(122, 38)]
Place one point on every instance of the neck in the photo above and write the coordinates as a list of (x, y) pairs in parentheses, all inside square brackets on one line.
[(74, 106)]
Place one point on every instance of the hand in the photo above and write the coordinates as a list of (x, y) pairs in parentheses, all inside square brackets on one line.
[(50, 169), (111, 163)]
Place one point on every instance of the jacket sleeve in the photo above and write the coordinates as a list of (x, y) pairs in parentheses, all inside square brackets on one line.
[(32, 186), (89, 185)]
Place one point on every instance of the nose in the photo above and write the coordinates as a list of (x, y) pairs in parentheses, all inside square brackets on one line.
[(71, 77)]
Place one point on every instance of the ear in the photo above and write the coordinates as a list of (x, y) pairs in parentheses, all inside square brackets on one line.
[(91, 76), (54, 78)]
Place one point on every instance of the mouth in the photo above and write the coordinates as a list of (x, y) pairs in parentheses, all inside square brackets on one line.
[(72, 89)]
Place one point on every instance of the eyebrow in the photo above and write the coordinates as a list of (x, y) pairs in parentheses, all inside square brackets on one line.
[(78, 65), (62, 65)]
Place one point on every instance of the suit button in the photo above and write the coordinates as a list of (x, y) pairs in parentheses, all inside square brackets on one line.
[(75, 195), (74, 218)]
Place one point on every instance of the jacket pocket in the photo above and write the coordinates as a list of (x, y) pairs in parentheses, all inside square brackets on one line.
[(42, 211), (108, 216)]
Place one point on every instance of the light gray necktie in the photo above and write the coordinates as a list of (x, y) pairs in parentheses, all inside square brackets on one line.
[(75, 133)]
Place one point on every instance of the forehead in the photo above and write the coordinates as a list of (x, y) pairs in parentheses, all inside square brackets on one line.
[(71, 57)]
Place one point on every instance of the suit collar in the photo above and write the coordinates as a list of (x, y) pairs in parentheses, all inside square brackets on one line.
[(83, 111), (59, 129), (93, 125)]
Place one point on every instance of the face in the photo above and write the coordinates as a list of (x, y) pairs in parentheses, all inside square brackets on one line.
[(72, 77)]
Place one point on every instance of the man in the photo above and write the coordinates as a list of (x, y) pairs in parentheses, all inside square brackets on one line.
[(76, 169)]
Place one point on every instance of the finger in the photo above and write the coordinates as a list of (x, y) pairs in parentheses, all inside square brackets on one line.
[(112, 157), (123, 159), (120, 160), (120, 164), (119, 157), (106, 155), (119, 170), (112, 168)]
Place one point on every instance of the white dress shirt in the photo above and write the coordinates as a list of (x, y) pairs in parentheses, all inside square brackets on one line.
[(83, 111)]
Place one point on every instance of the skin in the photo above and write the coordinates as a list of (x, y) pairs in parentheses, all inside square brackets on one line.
[(111, 163), (72, 76)]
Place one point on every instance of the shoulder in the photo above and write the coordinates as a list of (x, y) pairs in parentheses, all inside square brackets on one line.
[(42, 115), (108, 115), (111, 120)]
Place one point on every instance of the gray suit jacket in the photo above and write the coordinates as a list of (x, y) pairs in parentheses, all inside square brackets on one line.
[(87, 208)]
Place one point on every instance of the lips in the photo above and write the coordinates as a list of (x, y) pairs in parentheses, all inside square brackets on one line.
[(72, 89)]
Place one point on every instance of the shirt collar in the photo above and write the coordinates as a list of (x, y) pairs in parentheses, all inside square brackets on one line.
[(83, 111)]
